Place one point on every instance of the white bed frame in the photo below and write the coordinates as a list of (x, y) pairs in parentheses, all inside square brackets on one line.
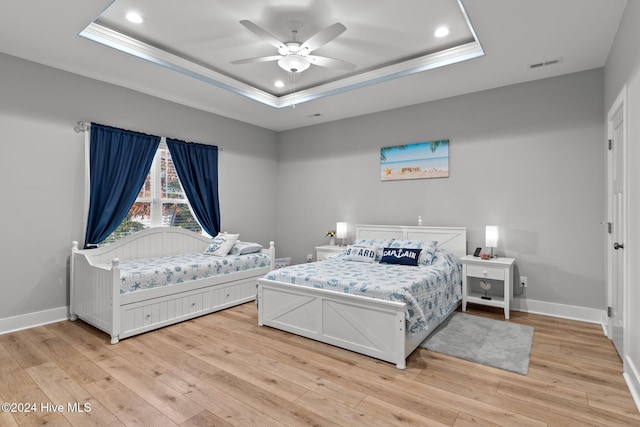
[(370, 326), (95, 284)]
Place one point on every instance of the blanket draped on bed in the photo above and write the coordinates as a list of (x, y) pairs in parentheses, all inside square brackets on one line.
[(160, 271), (428, 291)]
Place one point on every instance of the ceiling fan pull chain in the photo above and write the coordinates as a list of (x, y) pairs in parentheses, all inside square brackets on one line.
[(293, 89)]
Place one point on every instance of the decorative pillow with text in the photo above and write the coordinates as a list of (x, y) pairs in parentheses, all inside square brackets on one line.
[(380, 243), (360, 253), (402, 256), (428, 248)]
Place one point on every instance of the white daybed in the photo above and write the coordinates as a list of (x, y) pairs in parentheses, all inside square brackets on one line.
[(96, 296), (370, 326)]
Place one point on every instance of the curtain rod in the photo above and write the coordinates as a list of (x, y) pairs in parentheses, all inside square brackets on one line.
[(84, 127)]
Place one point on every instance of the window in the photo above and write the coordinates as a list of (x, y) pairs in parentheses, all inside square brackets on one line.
[(161, 201)]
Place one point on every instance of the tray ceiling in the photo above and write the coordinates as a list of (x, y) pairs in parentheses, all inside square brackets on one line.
[(203, 44), (191, 44)]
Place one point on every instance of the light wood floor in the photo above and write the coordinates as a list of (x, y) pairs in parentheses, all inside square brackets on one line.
[(223, 369)]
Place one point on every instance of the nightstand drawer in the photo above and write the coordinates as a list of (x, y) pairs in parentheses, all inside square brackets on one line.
[(485, 272)]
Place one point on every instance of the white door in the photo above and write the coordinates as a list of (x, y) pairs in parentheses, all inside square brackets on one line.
[(617, 219)]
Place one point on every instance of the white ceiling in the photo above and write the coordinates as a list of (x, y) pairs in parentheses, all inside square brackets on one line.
[(195, 40)]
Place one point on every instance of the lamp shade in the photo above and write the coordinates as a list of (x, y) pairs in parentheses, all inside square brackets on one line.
[(491, 236), (341, 230), (294, 63)]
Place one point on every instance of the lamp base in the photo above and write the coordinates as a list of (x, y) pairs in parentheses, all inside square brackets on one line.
[(483, 297)]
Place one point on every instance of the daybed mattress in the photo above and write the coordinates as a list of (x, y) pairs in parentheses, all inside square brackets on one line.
[(161, 271), (429, 291)]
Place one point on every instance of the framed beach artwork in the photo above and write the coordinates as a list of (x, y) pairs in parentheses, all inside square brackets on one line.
[(428, 159)]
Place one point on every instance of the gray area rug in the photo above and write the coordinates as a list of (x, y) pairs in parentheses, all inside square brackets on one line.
[(478, 339)]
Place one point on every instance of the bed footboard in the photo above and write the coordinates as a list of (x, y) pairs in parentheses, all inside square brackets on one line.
[(375, 328)]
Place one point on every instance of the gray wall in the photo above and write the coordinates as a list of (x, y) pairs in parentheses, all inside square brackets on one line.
[(528, 158), (42, 171), (623, 67)]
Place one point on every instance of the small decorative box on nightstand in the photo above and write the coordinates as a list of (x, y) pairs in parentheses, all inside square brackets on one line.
[(323, 252), (494, 269)]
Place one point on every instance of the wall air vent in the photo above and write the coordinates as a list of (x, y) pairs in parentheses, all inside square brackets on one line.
[(545, 63)]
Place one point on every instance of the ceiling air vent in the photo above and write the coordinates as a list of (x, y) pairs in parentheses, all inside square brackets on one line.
[(545, 63)]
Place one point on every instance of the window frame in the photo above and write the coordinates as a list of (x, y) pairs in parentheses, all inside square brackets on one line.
[(154, 197)]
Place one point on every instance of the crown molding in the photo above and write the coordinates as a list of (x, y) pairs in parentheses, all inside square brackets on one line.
[(127, 44)]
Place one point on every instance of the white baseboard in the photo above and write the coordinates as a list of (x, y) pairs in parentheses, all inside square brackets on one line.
[(631, 373), (591, 315), (31, 320), (584, 314), (632, 377)]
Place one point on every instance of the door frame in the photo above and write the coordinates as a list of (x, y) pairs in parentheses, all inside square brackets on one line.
[(619, 103)]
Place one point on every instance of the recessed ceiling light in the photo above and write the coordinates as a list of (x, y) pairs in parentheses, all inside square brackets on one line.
[(441, 32), (278, 83), (134, 17)]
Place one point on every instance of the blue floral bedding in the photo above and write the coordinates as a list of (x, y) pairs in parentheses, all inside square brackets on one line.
[(429, 291), (161, 271)]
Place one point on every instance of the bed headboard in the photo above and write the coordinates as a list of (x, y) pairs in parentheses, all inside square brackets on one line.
[(454, 239), (150, 242)]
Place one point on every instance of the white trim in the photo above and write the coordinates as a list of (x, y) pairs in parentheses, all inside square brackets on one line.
[(564, 311), (32, 320), (619, 104), (583, 314), (632, 378), (605, 324), (124, 43), (87, 181)]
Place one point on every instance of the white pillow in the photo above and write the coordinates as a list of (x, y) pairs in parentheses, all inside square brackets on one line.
[(360, 253), (243, 248), (380, 243), (221, 244)]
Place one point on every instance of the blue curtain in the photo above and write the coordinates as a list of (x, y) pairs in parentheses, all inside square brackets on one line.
[(197, 168), (119, 163)]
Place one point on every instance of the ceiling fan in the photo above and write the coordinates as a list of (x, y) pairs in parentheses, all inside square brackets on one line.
[(295, 56)]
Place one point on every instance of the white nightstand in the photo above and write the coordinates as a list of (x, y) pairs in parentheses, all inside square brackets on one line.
[(323, 252), (495, 270)]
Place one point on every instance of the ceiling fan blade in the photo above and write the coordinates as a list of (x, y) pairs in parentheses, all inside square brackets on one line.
[(323, 61), (256, 60), (323, 37), (263, 34)]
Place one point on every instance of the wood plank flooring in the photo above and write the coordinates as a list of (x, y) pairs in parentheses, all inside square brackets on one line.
[(223, 369)]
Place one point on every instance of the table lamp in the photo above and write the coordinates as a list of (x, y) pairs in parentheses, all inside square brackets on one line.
[(491, 237), (341, 232)]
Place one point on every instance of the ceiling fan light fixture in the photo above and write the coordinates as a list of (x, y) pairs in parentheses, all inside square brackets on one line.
[(294, 63)]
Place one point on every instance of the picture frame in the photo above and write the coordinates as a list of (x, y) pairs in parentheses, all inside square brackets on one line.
[(423, 160)]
